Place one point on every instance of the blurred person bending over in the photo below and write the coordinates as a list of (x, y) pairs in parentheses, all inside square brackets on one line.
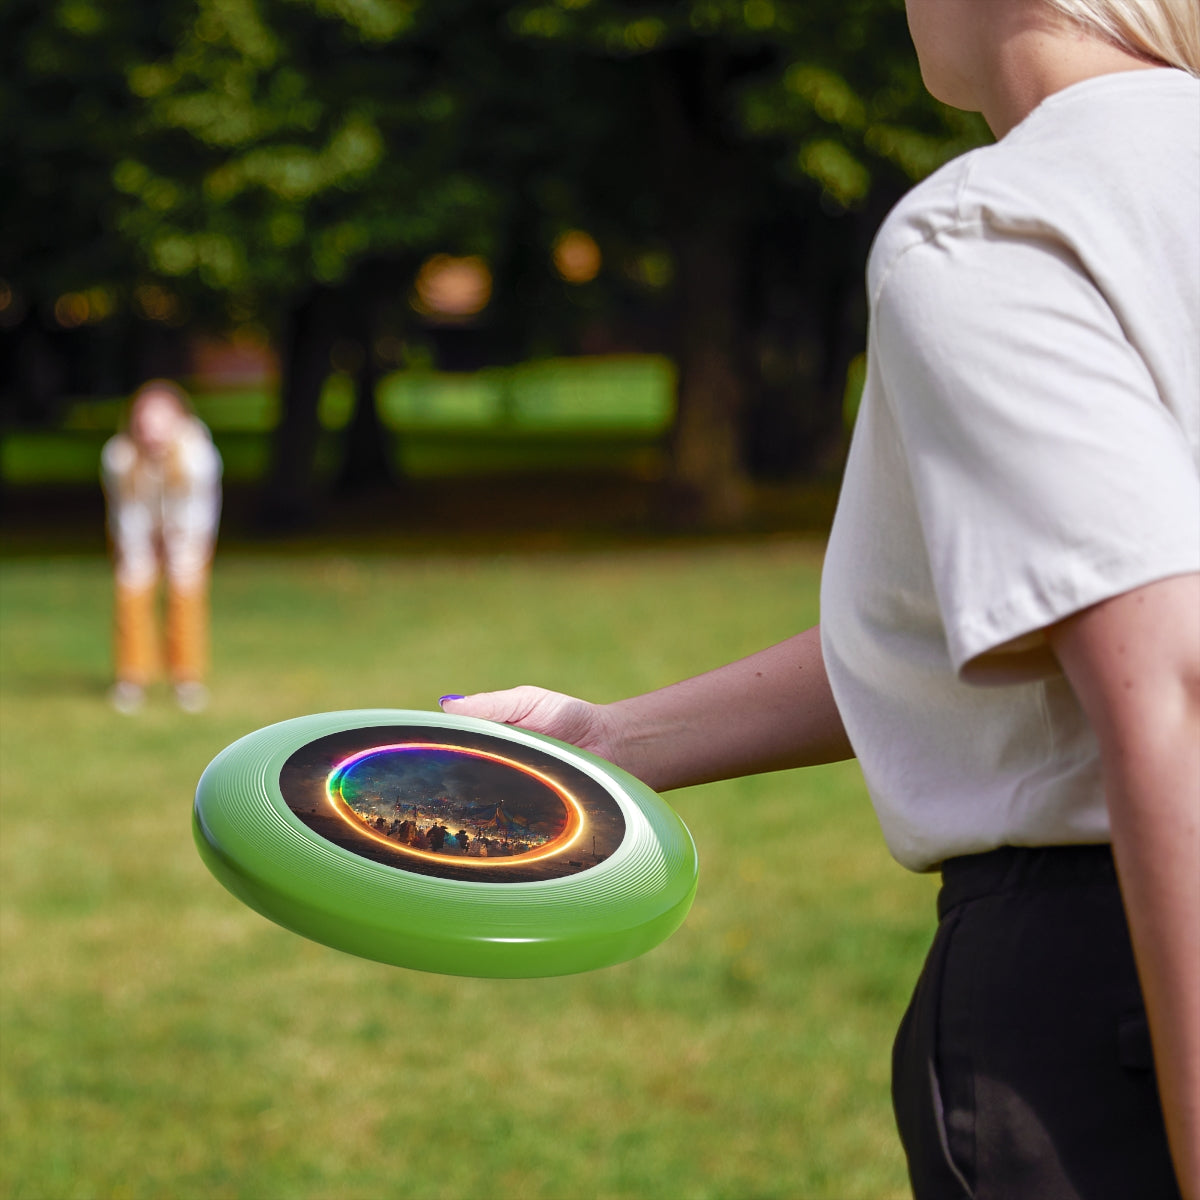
[(162, 483)]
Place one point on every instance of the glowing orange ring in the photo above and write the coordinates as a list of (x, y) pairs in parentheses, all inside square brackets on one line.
[(564, 841)]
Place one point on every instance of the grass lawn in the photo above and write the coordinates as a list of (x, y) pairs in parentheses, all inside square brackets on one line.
[(161, 1040)]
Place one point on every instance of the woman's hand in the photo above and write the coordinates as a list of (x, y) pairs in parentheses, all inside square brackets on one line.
[(585, 725)]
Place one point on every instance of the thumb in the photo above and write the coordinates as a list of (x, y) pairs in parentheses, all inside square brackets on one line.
[(552, 713), (508, 707)]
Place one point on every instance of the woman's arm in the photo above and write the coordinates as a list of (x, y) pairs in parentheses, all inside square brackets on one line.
[(1134, 662), (767, 712)]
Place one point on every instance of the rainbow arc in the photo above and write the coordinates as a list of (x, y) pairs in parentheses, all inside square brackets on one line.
[(503, 821)]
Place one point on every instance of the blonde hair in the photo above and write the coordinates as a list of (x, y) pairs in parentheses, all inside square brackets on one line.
[(175, 474), (1167, 31), (160, 387)]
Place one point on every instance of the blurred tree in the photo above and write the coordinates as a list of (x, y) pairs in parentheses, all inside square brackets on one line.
[(314, 154), (762, 141), (239, 159), (299, 146), (65, 116)]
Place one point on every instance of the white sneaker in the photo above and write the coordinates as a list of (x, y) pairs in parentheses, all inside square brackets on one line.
[(191, 696), (126, 697)]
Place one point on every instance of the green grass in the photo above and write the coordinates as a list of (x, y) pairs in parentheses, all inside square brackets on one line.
[(161, 1040)]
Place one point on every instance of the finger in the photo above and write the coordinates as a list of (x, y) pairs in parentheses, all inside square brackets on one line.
[(508, 707)]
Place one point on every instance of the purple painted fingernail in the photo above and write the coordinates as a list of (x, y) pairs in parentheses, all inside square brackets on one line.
[(451, 696)]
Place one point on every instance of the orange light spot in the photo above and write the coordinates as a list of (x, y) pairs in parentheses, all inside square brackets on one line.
[(577, 257), (71, 310), (452, 288)]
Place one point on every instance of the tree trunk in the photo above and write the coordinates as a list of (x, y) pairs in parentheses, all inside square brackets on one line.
[(706, 453), (808, 325), (289, 499), (706, 210), (38, 382), (367, 461)]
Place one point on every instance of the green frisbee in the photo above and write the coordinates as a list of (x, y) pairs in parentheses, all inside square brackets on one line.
[(445, 843)]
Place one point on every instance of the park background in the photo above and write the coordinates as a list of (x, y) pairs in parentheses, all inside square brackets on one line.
[(530, 334)]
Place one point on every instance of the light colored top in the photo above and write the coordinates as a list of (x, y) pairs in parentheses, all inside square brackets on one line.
[(1028, 445), (162, 514)]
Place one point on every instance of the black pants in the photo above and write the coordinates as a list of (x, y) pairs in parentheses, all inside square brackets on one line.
[(1022, 1069)]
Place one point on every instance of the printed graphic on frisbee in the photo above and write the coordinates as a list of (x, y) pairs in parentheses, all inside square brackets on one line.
[(458, 808)]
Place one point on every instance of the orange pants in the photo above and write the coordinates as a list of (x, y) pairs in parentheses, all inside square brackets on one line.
[(137, 646)]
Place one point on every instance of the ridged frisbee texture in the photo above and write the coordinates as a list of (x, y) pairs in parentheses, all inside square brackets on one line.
[(257, 846)]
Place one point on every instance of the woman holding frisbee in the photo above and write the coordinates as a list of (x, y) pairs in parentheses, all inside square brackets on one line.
[(1010, 634)]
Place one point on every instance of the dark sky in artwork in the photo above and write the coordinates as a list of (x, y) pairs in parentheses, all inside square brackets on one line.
[(421, 776), (424, 776)]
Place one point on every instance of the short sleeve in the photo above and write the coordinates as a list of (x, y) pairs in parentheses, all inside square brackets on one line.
[(198, 457), (1048, 472), (117, 459)]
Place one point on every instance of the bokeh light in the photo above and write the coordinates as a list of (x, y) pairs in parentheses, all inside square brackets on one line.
[(577, 257), (155, 303), (73, 309), (452, 288)]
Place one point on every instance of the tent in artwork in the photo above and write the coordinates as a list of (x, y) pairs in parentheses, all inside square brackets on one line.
[(506, 822)]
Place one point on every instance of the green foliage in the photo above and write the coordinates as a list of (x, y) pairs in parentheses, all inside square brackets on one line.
[(250, 147), (65, 118), (292, 162), (267, 131), (161, 1039), (837, 83)]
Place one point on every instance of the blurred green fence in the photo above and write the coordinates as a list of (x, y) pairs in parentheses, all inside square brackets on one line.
[(556, 414)]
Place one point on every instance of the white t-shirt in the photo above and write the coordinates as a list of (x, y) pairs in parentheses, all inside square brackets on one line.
[(1028, 445), (163, 512)]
